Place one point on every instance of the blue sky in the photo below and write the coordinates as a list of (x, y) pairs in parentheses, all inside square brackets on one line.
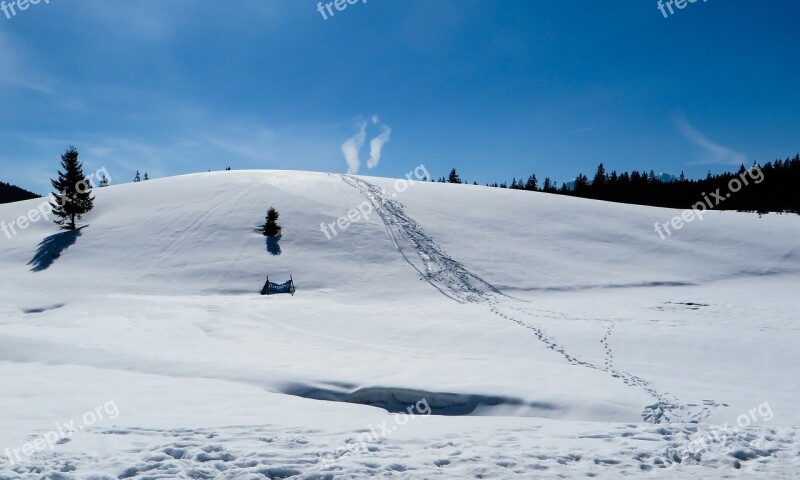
[(495, 88)]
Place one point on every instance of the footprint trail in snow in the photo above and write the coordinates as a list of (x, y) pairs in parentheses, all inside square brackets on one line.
[(455, 281)]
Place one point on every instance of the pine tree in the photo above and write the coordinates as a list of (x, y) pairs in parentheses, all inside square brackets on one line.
[(581, 183), (73, 191), (600, 177), (271, 228), (103, 180), (137, 178), (454, 178), (532, 184), (146, 177)]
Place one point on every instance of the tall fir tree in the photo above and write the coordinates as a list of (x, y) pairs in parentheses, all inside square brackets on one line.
[(600, 177), (73, 191), (137, 178), (532, 184), (581, 183)]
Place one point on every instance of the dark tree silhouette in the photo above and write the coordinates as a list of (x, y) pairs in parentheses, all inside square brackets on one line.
[(599, 182), (771, 187), (453, 178), (73, 191), (271, 228), (11, 193), (103, 180), (532, 184)]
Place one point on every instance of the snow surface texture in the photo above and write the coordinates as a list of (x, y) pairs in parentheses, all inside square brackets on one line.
[(545, 336)]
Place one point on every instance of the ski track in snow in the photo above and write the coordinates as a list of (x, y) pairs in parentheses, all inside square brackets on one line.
[(185, 235), (455, 281)]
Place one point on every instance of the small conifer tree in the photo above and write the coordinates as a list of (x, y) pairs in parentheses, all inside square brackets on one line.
[(73, 191), (103, 180), (271, 228), (454, 178)]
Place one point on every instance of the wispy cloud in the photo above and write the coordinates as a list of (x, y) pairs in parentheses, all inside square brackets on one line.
[(714, 153), (16, 72), (376, 147), (352, 146)]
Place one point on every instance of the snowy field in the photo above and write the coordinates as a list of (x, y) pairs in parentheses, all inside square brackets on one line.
[(457, 332)]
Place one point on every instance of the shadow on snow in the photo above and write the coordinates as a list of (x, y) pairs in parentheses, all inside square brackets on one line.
[(51, 248)]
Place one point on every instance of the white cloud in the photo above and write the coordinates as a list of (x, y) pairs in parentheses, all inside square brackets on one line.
[(352, 146), (376, 147), (714, 152)]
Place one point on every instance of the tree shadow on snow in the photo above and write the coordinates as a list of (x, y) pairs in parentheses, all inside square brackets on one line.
[(272, 245), (52, 247)]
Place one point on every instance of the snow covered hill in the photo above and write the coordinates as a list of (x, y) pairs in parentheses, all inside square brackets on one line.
[(530, 335)]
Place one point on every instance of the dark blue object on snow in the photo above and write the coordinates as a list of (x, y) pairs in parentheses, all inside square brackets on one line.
[(271, 288)]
